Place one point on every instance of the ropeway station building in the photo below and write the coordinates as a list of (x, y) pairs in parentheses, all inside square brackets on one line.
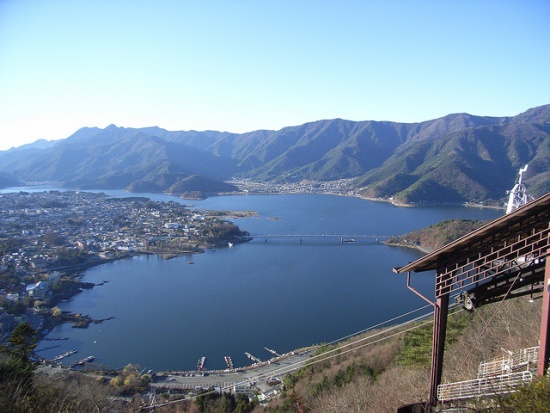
[(503, 259)]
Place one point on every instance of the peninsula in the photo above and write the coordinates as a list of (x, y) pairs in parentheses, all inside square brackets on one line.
[(48, 238)]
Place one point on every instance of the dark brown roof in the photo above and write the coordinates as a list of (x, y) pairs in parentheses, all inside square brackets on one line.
[(535, 214)]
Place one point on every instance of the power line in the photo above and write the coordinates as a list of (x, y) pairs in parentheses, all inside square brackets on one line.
[(337, 351), (379, 324)]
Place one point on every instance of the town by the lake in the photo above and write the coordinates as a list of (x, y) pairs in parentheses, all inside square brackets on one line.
[(47, 239)]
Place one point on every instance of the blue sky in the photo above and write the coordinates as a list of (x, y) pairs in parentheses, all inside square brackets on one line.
[(240, 66)]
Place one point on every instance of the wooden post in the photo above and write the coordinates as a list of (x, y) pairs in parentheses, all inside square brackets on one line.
[(544, 341), (441, 311)]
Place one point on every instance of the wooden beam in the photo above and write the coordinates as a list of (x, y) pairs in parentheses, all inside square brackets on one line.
[(544, 341), (441, 310)]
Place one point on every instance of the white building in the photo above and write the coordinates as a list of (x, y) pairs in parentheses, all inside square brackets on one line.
[(38, 290)]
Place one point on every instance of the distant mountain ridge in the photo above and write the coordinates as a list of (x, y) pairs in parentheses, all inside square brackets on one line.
[(456, 158)]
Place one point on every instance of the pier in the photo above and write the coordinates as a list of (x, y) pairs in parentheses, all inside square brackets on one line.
[(67, 354), (251, 357), (200, 363), (272, 352), (229, 362), (88, 359)]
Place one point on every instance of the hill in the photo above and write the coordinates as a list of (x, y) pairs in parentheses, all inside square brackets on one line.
[(437, 235), (457, 158)]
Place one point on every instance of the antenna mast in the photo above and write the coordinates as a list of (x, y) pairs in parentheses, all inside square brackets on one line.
[(518, 194)]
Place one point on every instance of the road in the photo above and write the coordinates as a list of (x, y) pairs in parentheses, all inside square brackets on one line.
[(257, 375)]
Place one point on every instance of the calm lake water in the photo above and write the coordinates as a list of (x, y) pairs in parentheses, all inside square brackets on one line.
[(280, 294)]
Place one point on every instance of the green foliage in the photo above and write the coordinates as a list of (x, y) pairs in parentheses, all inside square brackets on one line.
[(51, 238), (466, 157), (418, 342), (534, 397), (349, 373), (320, 387), (21, 343), (438, 235), (130, 381), (200, 183), (344, 376), (291, 379), (224, 231), (9, 245), (323, 348), (16, 370), (27, 393), (418, 347), (71, 256), (15, 389), (212, 402), (15, 308)]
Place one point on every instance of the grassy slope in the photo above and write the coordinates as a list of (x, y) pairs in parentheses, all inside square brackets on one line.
[(386, 374)]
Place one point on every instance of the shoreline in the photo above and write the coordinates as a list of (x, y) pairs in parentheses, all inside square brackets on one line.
[(246, 192), (404, 245), (168, 255), (400, 204), (366, 198)]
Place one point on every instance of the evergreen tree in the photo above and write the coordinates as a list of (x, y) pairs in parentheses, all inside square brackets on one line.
[(22, 342)]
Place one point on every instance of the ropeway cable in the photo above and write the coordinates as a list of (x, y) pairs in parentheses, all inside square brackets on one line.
[(378, 325), (295, 366), (327, 355), (322, 357)]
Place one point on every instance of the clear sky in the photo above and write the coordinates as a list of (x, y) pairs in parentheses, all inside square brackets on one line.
[(244, 65)]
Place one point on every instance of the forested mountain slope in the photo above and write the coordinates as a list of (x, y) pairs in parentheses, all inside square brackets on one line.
[(456, 158)]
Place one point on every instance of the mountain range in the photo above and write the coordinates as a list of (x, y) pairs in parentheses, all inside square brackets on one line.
[(456, 158)]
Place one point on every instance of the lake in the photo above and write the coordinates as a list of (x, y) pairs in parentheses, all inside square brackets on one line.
[(280, 293)]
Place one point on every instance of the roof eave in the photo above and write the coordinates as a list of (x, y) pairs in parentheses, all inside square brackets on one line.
[(430, 260)]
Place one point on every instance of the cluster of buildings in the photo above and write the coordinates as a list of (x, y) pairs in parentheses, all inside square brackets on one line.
[(295, 186), (43, 233)]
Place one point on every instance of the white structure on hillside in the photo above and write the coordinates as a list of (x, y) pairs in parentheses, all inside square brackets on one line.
[(518, 194)]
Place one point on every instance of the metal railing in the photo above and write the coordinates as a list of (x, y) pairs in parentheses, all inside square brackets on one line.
[(483, 387), (513, 362), (500, 375)]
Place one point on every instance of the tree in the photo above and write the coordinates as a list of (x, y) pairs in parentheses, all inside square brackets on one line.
[(534, 397), (130, 380), (56, 312), (52, 238), (9, 245), (22, 342)]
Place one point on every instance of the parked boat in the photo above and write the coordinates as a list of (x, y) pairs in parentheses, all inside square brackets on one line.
[(67, 354)]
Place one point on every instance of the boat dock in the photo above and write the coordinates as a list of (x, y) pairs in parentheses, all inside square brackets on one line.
[(251, 357), (273, 352), (229, 362), (62, 356), (88, 359), (200, 363), (55, 339)]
